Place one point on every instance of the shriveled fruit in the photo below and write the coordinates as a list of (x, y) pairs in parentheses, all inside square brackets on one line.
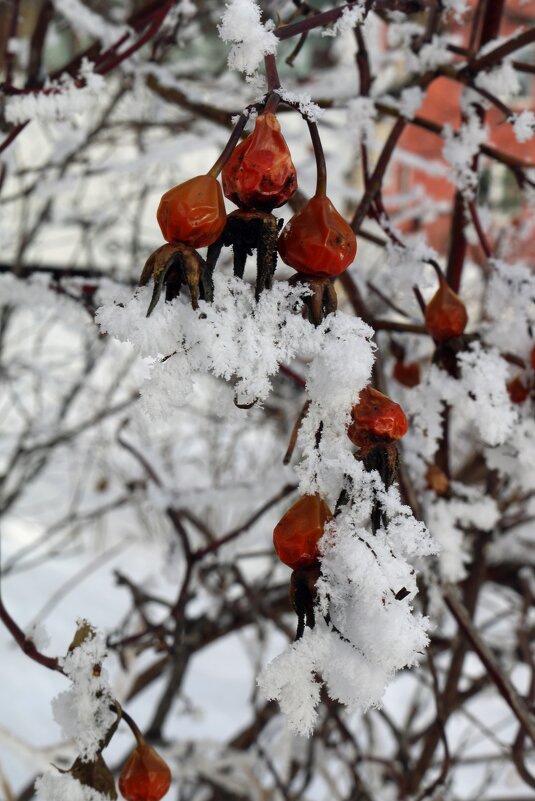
[(317, 240), (376, 418), (145, 775), (518, 392), (445, 314), (407, 373), (193, 213), (260, 173), (437, 480), (297, 533)]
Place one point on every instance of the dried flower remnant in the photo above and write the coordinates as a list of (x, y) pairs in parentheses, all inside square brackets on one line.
[(317, 240), (260, 173), (193, 213)]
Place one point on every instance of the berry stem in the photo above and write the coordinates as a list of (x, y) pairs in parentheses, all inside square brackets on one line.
[(273, 83), (321, 167), (229, 147), (272, 75), (133, 727)]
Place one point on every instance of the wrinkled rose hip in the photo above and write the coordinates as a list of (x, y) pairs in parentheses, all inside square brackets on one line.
[(260, 173)]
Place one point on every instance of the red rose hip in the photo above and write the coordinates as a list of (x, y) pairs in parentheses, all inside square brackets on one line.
[(376, 418), (297, 533), (145, 775), (260, 173), (317, 240), (407, 373), (193, 212), (445, 314)]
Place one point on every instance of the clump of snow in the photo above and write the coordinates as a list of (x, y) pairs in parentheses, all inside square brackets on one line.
[(362, 114), (510, 307), (484, 377), (39, 636), (63, 787), (303, 101), (351, 17), (411, 100), (250, 40), (447, 519), (434, 54), (456, 7), (85, 711), (460, 148), (59, 99), (515, 459), (84, 20), (524, 126), (502, 80), (400, 35)]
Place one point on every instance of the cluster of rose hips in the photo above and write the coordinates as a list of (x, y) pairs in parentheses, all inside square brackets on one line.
[(258, 175), (377, 423)]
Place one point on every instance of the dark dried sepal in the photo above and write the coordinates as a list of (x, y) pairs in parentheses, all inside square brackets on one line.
[(303, 597), (95, 774), (246, 231), (321, 301), (174, 266), (383, 457)]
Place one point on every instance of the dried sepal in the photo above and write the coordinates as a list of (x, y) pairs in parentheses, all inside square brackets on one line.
[(95, 774), (320, 297), (303, 597), (245, 232), (175, 266)]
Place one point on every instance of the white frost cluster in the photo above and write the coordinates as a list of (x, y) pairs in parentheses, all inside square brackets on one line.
[(84, 711), (370, 633), (362, 115), (434, 54), (502, 80), (250, 40), (84, 20), (58, 100), (63, 787), (510, 307), (411, 100), (233, 338), (351, 17), (303, 100), (447, 519), (459, 150), (483, 378), (456, 7), (524, 126)]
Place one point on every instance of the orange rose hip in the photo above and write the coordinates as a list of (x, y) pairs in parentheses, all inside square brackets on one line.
[(376, 418), (145, 775), (317, 240), (297, 533), (445, 314), (193, 213), (260, 173)]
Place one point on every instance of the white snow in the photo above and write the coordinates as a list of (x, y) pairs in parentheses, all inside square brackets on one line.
[(250, 40)]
